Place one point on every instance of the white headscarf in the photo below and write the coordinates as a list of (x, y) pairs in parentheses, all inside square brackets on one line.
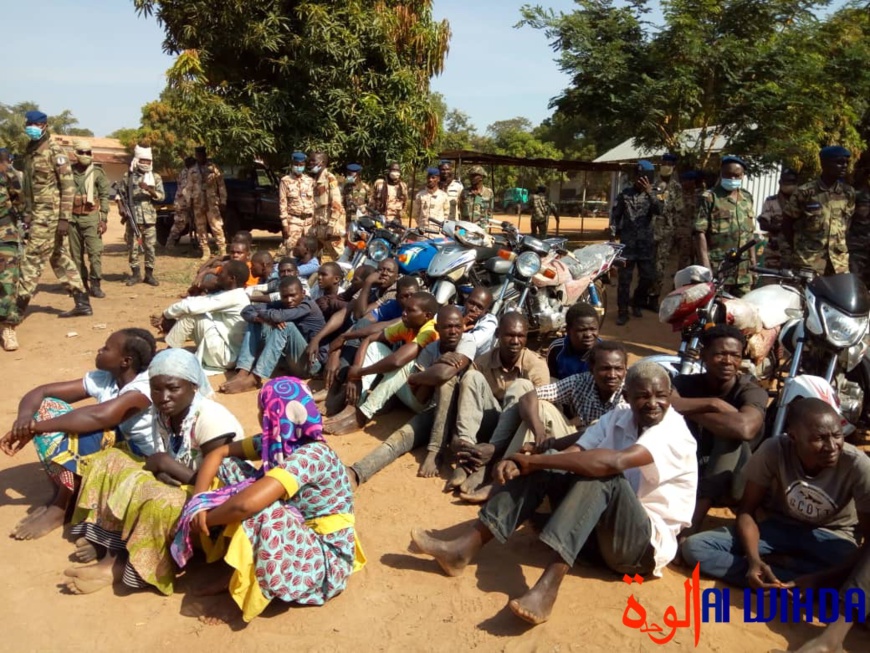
[(140, 152)]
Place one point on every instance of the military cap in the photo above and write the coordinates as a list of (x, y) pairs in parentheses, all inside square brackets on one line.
[(669, 158), (35, 117), (354, 167), (476, 170), (731, 158), (430, 172), (81, 145), (299, 157), (645, 166), (834, 152)]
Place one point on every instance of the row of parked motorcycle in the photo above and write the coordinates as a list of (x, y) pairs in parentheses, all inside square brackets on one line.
[(807, 335), (540, 278)]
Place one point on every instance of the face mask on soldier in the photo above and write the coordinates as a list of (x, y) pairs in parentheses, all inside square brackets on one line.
[(33, 132), (84, 159), (394, 175), (144, 167), (298, 170), (666, 171)]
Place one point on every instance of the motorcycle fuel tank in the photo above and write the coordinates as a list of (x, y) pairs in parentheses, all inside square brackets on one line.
[(450, 258)]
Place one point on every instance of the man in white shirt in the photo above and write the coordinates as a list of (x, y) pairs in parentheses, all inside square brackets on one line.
[(214, 322), (431, 201), (630, 485)]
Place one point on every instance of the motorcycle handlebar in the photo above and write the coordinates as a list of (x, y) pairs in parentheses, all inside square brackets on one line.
[(786, 274)]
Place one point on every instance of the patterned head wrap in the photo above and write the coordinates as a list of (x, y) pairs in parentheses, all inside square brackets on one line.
[(290, 418)]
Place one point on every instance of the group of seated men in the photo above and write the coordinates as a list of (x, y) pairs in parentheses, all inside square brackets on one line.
[(630, 460)]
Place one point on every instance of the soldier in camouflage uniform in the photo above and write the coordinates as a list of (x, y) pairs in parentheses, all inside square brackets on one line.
[(692, 189), (390, 195), (329, 218), (90, 215), (146, 187), (816, 218), (541, 210), (208, 197), (356, 192), (11, 203), (181, 209), (477, 202), (634, 213), (296, 202), (48, 191), (726, 220), (778, 252), (670, 194), (858, 238)]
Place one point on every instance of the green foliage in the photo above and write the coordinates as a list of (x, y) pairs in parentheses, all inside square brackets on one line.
[(12, 134), (768, 75), (166, 124), (267, 77), (127, 135)]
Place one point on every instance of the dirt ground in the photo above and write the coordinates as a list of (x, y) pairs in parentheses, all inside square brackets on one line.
[(399, 602)]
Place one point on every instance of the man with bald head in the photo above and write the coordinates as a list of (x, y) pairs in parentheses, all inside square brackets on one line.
[(628, 484), (90, 214)]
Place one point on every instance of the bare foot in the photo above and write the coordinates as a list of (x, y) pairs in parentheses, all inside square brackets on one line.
[(90, 579), (536, 605), (347, 421), (473, 481), (480, 495), (458, 478), (353, 477), (85, 551), (429, 468), (29, 518), (243, 382), (48, 520), (447, 554)]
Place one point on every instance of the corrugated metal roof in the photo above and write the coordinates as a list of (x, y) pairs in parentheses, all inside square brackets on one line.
[(630, 151)]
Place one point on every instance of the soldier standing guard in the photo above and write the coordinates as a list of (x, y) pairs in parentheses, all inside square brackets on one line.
[(670, 193), (692, 187), (208, 196), (816, 218), (477, 201), (356, 192), (329, 218), (296, 202), (778, 253), (390, 195), (48, 191), (636, 208), (145, 186), (90, 215), (858, 237), (450, 185), (11, 203), (181, 208), (726, 220), (541, 210)]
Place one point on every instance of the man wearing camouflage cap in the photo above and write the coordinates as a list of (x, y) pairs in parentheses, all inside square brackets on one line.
[(90, 214), (816, 219), (48, 191), (296, 202), (477, 202), (11, 203)]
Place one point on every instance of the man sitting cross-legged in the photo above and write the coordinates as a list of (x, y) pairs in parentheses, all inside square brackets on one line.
[(374, 357), (725, 412), (214, 322), (283, 328), (439, 363), (815, 491), (541, 411), (629, 489)]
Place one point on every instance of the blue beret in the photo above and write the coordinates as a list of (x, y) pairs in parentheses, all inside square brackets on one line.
[(670, 158), (432, 171), (733, 159), (35, 117), (834, 152), (645, 165), (299, 157), (354, 167)]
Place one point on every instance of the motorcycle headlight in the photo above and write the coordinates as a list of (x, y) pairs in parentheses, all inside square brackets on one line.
[(378, 250), (528, 264), (842, 330)]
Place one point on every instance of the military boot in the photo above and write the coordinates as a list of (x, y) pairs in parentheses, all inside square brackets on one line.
[(149, 277), (652, 303), (82, 306), (135, 277), (95, 290)]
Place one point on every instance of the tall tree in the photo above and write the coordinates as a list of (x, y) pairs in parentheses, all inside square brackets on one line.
[(266, 77)]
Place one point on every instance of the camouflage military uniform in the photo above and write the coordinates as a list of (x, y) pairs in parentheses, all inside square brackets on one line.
[(296, 203), (84, 234), (665, 228), (389, 199), (477, 205), (146, 219), (542, 208), (632, 221), (181, 208), (329, 219), (820, 217), (356, 198), (685, 221), (778, 252), (48, 191), (11, 203), (858, 238), (727, 224), (208, 195)]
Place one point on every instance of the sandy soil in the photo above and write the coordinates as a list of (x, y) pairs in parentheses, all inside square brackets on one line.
[(400, 601)]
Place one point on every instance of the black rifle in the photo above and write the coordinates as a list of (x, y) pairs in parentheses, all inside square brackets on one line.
[(125, 197)]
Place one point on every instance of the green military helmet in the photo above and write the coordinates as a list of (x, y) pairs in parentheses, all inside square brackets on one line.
[(476, 170)]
